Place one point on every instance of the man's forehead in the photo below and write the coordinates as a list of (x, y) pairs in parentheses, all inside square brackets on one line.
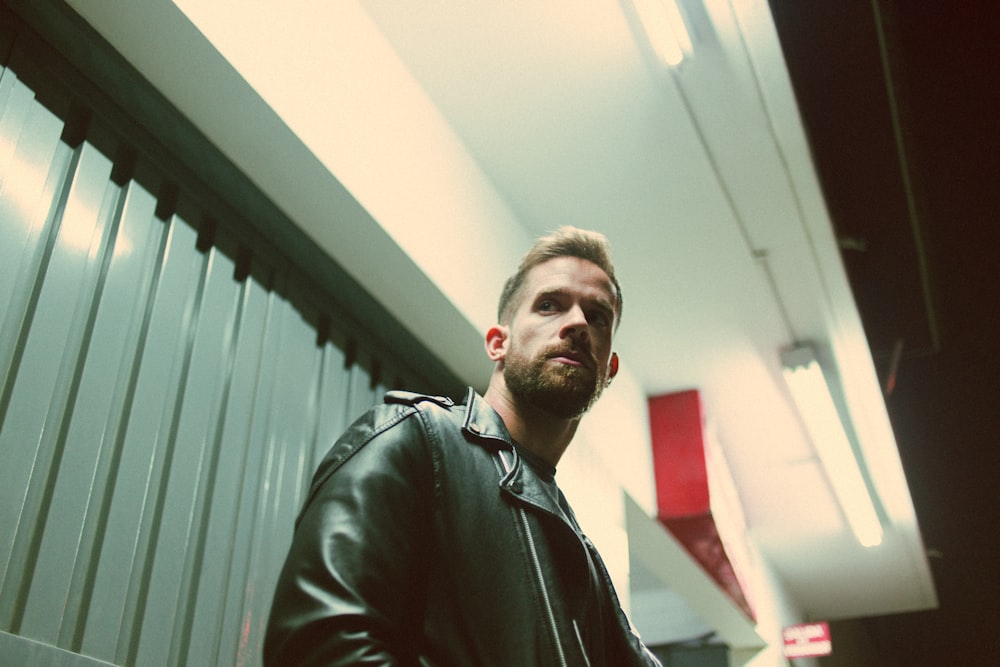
[(564, 273)]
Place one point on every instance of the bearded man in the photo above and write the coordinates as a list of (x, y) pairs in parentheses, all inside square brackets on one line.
[(434, 534)]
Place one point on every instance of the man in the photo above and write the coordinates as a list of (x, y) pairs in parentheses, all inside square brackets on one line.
[(434, 533)]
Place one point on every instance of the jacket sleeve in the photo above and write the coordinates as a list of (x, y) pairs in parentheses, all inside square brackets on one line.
[(352, 588)]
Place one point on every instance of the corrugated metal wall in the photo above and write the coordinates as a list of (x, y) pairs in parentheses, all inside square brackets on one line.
[(161, 413)]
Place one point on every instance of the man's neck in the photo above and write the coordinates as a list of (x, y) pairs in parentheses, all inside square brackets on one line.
[(540, 433)]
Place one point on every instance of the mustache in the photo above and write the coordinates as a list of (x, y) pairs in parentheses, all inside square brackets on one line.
[(580, 351)]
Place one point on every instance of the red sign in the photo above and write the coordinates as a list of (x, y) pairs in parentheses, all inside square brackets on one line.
[(807, 640)]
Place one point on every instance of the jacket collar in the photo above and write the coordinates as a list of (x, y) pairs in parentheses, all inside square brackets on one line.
[(482, 421), (519, 480)]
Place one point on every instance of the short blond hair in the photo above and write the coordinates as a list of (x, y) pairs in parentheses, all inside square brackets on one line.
[(564, 242)]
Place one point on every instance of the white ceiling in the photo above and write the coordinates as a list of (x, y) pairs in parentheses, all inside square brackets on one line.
[(700, 175)]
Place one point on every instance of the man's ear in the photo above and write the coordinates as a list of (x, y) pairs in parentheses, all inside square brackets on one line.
[(613, 366), (496, 342)]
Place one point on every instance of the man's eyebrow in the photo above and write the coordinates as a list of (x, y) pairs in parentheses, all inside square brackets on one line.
[(551, 292)]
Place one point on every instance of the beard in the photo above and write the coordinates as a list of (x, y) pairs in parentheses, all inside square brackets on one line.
[(560, 390)]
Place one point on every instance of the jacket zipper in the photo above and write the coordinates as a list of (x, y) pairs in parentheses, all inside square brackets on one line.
[(579, 640), (538, 573)]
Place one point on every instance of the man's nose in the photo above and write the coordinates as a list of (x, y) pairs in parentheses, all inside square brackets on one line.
[(575, 324)]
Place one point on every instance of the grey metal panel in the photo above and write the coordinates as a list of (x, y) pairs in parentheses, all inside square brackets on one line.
[(25, 254), (22, 652), (29, 137), (214, 626), (122, 574), (31, 444), (20, 249), (159, 420), (252, 574), (86, 477), (331, 422), (73, 281), (189, 463)]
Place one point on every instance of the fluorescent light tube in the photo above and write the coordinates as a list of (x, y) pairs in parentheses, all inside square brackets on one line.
[(665, 29), (819, 413)]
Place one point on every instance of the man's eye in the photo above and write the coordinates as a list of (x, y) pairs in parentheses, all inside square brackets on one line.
[(546, 305), (599, 318)]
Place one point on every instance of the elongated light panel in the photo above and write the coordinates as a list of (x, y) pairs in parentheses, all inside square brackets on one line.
[(665, 29), (812, 396)]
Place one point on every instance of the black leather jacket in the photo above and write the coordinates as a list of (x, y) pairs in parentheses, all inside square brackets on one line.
[(426, 540)]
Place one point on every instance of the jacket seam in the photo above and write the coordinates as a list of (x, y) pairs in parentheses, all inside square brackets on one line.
[(434, 446)]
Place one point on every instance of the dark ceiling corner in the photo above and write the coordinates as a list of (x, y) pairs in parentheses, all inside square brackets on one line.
[(842, 61)]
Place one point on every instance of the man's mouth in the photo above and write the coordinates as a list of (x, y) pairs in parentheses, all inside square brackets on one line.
[(570, 358)]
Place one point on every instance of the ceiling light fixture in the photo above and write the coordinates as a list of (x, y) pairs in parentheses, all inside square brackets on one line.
[(819, 413), (664, 26)]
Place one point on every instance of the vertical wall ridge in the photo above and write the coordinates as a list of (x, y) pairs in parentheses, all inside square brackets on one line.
[(34, 276), (206, 494), (123, 395), (165, 468), (59, 418)]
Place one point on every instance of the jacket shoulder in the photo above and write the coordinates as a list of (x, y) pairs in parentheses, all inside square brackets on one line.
[(390, 431), (398, 397)]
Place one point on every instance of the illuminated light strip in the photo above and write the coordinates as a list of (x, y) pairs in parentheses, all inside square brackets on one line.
[(665, 28), (819, 413)]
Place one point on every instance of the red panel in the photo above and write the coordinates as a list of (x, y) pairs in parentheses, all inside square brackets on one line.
[(677, 429), (677, 426), (700, 537)]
